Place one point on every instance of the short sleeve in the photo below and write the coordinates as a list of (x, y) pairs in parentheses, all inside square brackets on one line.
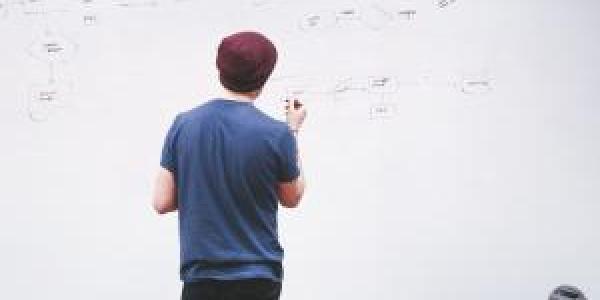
[(168, 158), (288, 152)]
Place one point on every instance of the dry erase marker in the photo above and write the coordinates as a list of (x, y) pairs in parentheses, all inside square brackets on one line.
[(297, 104)]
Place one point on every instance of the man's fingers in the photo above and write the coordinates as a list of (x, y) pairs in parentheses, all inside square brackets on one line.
[(295, 106), (287, 105)]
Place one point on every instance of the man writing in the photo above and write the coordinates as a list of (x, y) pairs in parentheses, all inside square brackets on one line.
[(225, 166)]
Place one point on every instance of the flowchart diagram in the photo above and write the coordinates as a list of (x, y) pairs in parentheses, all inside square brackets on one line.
[(53, 50), (44, 99), (373, 17), (381, 93)]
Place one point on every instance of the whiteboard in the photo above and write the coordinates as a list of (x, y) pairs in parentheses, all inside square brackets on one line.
[(452, 147)]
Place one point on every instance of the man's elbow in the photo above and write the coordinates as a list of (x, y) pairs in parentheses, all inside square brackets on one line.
[(290, 194), (291, 201), (163, 208), (289, 205)]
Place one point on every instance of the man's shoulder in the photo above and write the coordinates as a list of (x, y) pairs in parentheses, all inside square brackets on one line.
[(271, 122), (207, 108), (253, 118), (270, 125)]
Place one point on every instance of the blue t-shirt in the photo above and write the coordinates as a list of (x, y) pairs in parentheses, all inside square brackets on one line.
[(227, 158)]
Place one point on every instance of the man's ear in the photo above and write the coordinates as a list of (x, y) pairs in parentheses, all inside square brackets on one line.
[(254, 94)]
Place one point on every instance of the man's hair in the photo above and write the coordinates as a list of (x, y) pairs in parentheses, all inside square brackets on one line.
[(245, 61)]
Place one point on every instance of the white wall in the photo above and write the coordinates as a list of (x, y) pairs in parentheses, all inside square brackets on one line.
[(452, 148)]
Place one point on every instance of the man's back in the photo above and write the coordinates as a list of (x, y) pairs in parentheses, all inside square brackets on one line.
[(225, 166), (227, 158)]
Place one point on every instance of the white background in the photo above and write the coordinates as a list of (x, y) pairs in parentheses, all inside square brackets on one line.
[(486, 192)]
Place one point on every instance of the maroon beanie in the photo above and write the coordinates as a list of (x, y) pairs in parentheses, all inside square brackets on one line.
[(245, 61)]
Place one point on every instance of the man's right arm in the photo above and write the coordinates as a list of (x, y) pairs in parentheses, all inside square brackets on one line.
[(291, 192)]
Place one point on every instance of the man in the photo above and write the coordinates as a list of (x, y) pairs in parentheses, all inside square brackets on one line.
[(225, 166)]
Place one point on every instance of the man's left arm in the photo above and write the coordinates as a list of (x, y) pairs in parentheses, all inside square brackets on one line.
[(165, 192), (164, 199)]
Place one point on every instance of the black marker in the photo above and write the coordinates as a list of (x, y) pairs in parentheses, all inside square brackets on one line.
[(297, 103)]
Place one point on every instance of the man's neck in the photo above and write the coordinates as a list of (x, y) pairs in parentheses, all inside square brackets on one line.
[(241, 97)]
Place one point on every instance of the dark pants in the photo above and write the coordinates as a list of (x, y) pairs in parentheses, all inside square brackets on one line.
[(248, 289)]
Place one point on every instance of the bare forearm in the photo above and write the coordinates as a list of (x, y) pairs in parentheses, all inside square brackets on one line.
[(290, 193), (165, 193)]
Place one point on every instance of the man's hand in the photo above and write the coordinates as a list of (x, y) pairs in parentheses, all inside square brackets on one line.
[(290, 193), (295, 114)]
